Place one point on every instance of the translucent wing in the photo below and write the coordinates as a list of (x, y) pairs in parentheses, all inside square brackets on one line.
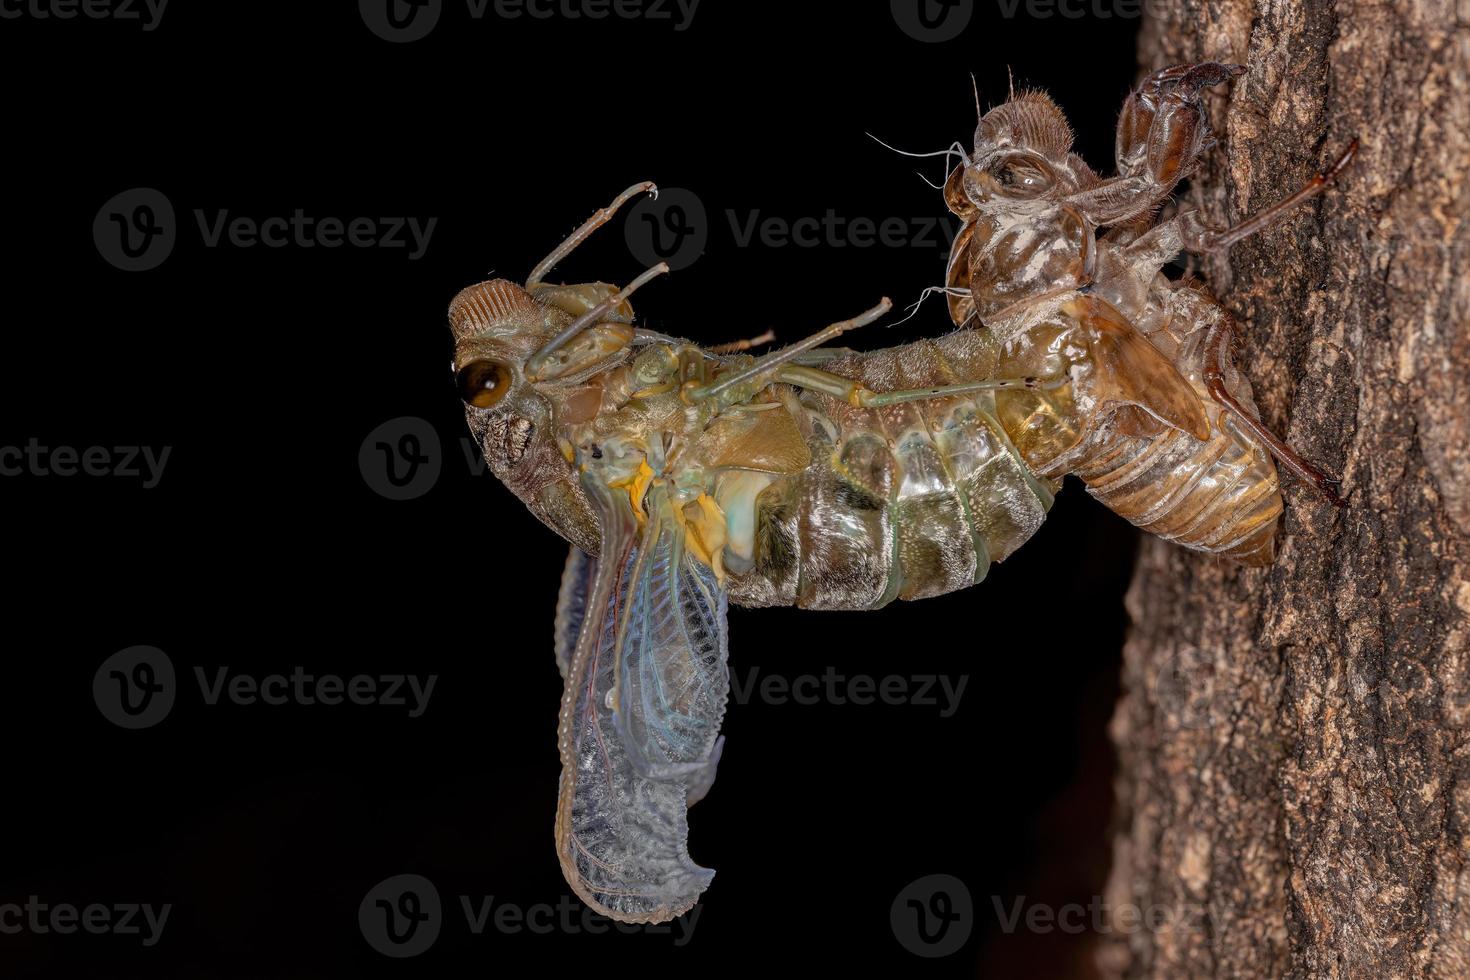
[(672, 654), (571, 604), (646, 685)]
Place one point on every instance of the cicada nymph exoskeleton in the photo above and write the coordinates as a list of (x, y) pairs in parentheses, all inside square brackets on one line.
[(1155, 419)]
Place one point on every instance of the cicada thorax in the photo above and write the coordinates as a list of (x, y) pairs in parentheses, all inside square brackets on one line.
[(1136, 421)]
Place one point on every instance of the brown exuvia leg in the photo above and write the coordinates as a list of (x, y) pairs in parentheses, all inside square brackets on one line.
[(1214, 375), (1161, 134), (1162, 129), (1198, 237)]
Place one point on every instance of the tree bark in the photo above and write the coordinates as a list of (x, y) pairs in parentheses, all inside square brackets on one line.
[(1294, 797)]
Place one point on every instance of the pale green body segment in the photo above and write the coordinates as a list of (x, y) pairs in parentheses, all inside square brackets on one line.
[(905, 501)]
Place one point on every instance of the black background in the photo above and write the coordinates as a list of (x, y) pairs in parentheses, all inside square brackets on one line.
[(264, 547)]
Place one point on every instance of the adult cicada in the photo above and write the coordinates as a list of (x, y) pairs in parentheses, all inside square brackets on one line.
[(685, 478)]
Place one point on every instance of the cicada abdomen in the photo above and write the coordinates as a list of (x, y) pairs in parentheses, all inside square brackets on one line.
[(1157, 452), (899, 501)]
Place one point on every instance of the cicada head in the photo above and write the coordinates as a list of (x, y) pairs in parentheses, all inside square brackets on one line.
[(1022, 162), (498, 329)]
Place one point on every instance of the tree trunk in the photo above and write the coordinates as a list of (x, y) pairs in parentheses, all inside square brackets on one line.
[(1293, 792)]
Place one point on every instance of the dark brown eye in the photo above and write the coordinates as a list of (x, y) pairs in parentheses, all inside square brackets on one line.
[(483, 383)]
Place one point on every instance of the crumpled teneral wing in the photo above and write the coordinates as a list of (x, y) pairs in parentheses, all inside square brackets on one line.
[(646, 685)]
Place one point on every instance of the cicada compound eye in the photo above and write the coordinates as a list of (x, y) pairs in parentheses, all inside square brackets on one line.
[(1022, 177), (483, 383)]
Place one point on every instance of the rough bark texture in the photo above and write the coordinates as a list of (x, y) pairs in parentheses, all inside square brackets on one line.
[(1294, 794)]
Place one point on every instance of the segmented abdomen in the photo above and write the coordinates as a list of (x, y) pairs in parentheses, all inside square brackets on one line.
[(1221, 495), (1218, 496), (906, 501)]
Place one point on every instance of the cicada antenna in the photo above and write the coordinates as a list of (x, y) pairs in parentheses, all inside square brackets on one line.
[(587, 227), (533, 365), (913, 308), (956, 148)]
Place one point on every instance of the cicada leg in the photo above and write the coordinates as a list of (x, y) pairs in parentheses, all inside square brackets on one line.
[(855, 394), (1161, 135), (737, 346), (732, 386), (1187, 232), (1216, 344), (1196, 236), (538, 360)]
